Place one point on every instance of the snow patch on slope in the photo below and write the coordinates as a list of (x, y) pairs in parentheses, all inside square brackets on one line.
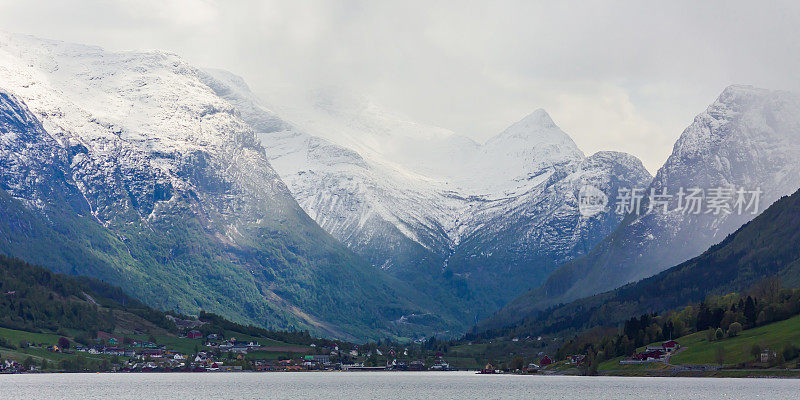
[(363, 173)]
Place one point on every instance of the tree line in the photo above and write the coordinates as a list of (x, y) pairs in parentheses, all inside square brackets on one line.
[(719, 316)]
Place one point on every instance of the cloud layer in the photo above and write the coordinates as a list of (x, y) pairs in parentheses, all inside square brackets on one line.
[(615, 75)]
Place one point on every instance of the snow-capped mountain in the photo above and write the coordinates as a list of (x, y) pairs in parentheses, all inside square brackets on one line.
[(747, 140), (126, 166), (425, 202), (362, 199)]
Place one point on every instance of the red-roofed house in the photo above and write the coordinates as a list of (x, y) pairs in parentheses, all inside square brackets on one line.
[(194, 334), (671, 345)]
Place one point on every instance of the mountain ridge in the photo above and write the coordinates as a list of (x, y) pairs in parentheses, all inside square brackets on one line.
[(747, 138)]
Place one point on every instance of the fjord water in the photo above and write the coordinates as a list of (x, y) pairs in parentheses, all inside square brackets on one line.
[(372, 385)]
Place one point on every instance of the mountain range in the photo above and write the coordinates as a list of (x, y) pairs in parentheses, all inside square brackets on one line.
[(484, 222), (190, 192), (747, 140)]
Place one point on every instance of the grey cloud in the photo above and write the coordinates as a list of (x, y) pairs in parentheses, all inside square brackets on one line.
[(623, 75)]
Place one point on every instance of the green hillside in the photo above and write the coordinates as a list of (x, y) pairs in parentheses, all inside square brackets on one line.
[(776, 336), (179, 266), (731, 353), (39, 308)]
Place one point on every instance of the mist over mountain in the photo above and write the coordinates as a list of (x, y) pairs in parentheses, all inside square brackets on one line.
[(483, 221)]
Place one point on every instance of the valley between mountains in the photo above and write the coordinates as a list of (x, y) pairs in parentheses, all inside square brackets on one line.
[(187, 190)]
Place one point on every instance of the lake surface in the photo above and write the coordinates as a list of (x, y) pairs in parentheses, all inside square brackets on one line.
[(393, 385)]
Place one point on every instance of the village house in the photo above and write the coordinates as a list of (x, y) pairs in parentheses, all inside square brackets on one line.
[(767, 355), (653, 353), (671, 346), (417, 365), (649, 355), (239, 349), (114, 351), (545, 361), (143, 345), (576, 359), (201, 357), (440, 365), (10, 366), (153, 353), (194, 334), (321, 358)]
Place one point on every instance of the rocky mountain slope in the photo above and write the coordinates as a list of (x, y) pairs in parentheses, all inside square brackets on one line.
[(485, 221), (125, 166), (747, 140)]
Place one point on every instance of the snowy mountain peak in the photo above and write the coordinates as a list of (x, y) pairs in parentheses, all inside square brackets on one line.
[(91, 94), (535, 126), (529, 146), (742, 117), (736, 93), (537, 131), (539, 118), (734, 99), (619, 157)]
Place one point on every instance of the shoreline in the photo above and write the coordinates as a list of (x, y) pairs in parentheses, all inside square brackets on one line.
[(730, 373)]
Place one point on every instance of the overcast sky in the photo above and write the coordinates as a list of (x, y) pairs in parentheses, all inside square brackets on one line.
[(615, 75)]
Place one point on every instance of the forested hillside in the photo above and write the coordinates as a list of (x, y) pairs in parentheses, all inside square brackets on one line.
[(765, 247), (34, 299), (719, 317)]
